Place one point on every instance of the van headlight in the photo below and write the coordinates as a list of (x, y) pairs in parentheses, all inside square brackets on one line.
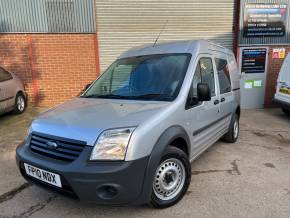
[(112, 144)]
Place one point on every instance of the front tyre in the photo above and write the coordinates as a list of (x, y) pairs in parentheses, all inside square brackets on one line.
[(172, 178), (286, 111), (20, 104)]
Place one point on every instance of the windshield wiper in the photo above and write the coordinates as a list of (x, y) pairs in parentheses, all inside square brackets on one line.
[(153, 96), (106, 96), (150, 96)]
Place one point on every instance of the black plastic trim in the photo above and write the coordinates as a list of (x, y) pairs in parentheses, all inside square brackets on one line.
[(6, 99), (282, 104), (162, 143)]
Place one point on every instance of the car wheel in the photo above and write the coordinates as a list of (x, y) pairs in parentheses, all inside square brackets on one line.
[(286, 111), (233, 134), (172, 178), (20, 104)]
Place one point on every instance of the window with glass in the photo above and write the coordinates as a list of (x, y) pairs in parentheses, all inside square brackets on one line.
[(149, 77), (204, 73), (4, 75), (223, 75)]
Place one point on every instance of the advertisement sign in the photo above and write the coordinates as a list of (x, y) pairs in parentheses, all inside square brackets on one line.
[(249, 84), (278, 53), (254, 60), (265, 20)]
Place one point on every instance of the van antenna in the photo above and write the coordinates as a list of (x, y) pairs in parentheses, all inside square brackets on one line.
[(164, 26)]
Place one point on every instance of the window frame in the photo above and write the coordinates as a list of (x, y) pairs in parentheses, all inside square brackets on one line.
[(228, 77), (208, 56), (10, 75), (178, 88)]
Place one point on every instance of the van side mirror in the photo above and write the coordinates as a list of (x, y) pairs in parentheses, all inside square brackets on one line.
[(203, 92), (87, 86)]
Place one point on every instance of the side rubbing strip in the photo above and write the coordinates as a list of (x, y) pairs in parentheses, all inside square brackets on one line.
[(235, 89), (6, 99), (211, 124)]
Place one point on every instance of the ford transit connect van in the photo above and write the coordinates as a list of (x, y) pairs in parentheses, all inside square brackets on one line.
[(282, 96), (130, 137)]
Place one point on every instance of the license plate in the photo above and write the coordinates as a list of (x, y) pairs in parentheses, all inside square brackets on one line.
[(284, 90), (43, 175)]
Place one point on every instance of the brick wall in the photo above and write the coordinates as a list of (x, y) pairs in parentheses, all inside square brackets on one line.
[(63, 63), (274, 66)]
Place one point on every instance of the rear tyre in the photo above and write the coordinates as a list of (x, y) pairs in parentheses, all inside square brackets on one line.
[(172, 178), (233, 134), (20, 104), (286, 111)]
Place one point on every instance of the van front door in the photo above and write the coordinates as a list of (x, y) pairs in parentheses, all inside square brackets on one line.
[(253, 65), (201, 118)]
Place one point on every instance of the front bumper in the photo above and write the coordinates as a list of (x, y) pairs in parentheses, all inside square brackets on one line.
[(282, 104), (102, 182)]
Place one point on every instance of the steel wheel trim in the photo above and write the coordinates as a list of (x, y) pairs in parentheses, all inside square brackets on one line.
[(236, 129), (20, 103), (169, 179)]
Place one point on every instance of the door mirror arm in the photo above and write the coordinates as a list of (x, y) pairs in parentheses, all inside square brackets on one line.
[(192, 101), (203, 92), (87, 86)]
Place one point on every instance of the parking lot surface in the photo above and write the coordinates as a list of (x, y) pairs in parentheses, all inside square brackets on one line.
[(248, 179)]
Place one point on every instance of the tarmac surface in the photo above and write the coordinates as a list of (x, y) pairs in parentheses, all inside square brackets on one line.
[(250, 178)]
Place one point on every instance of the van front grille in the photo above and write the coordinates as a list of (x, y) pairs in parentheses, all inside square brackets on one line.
[(55, 147)]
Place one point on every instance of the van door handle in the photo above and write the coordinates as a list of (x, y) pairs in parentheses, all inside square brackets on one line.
[(223, 99), (216, 102)]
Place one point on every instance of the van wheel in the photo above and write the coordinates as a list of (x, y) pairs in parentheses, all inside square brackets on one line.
[(172, 178), (20, 104), (233, 134), (286, 111)]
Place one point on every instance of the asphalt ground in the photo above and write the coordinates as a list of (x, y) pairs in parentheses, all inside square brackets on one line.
[(250, 178)]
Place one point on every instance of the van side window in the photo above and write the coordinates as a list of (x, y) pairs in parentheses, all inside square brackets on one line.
[(4, 75), (195, 81), (203, 74), (207, 73), (223, 75)]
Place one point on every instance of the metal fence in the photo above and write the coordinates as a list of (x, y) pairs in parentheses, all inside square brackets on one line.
[(264, 40), (47, 16)]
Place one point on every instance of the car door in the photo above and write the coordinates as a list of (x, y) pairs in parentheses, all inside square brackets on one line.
[(202, 116), (225, 91), (6, 90)]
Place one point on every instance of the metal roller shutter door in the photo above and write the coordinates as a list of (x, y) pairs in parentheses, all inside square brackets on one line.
[(122, 24)]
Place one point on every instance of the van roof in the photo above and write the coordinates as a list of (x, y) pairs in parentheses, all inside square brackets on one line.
[(189, 46)]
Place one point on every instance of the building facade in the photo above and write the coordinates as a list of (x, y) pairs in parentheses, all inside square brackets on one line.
[(264, 42), (51, 45), (58, 46)]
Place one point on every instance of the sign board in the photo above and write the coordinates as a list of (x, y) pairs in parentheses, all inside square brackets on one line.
[(265, 20), (254, 60), (278, 53), (249, 84)]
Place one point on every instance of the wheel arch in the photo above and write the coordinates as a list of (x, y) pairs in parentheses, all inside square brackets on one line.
[(238, 110), (22, 93), (171, 136)]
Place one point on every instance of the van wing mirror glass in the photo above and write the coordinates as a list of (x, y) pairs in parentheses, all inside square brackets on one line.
[(203, 92)]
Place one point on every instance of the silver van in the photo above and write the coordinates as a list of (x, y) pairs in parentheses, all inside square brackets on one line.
[(282, 95), (130, 137)]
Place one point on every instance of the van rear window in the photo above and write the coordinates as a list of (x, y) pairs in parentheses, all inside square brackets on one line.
[(223, 75)]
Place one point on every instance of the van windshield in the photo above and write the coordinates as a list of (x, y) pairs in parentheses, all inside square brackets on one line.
[(149, 77)]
